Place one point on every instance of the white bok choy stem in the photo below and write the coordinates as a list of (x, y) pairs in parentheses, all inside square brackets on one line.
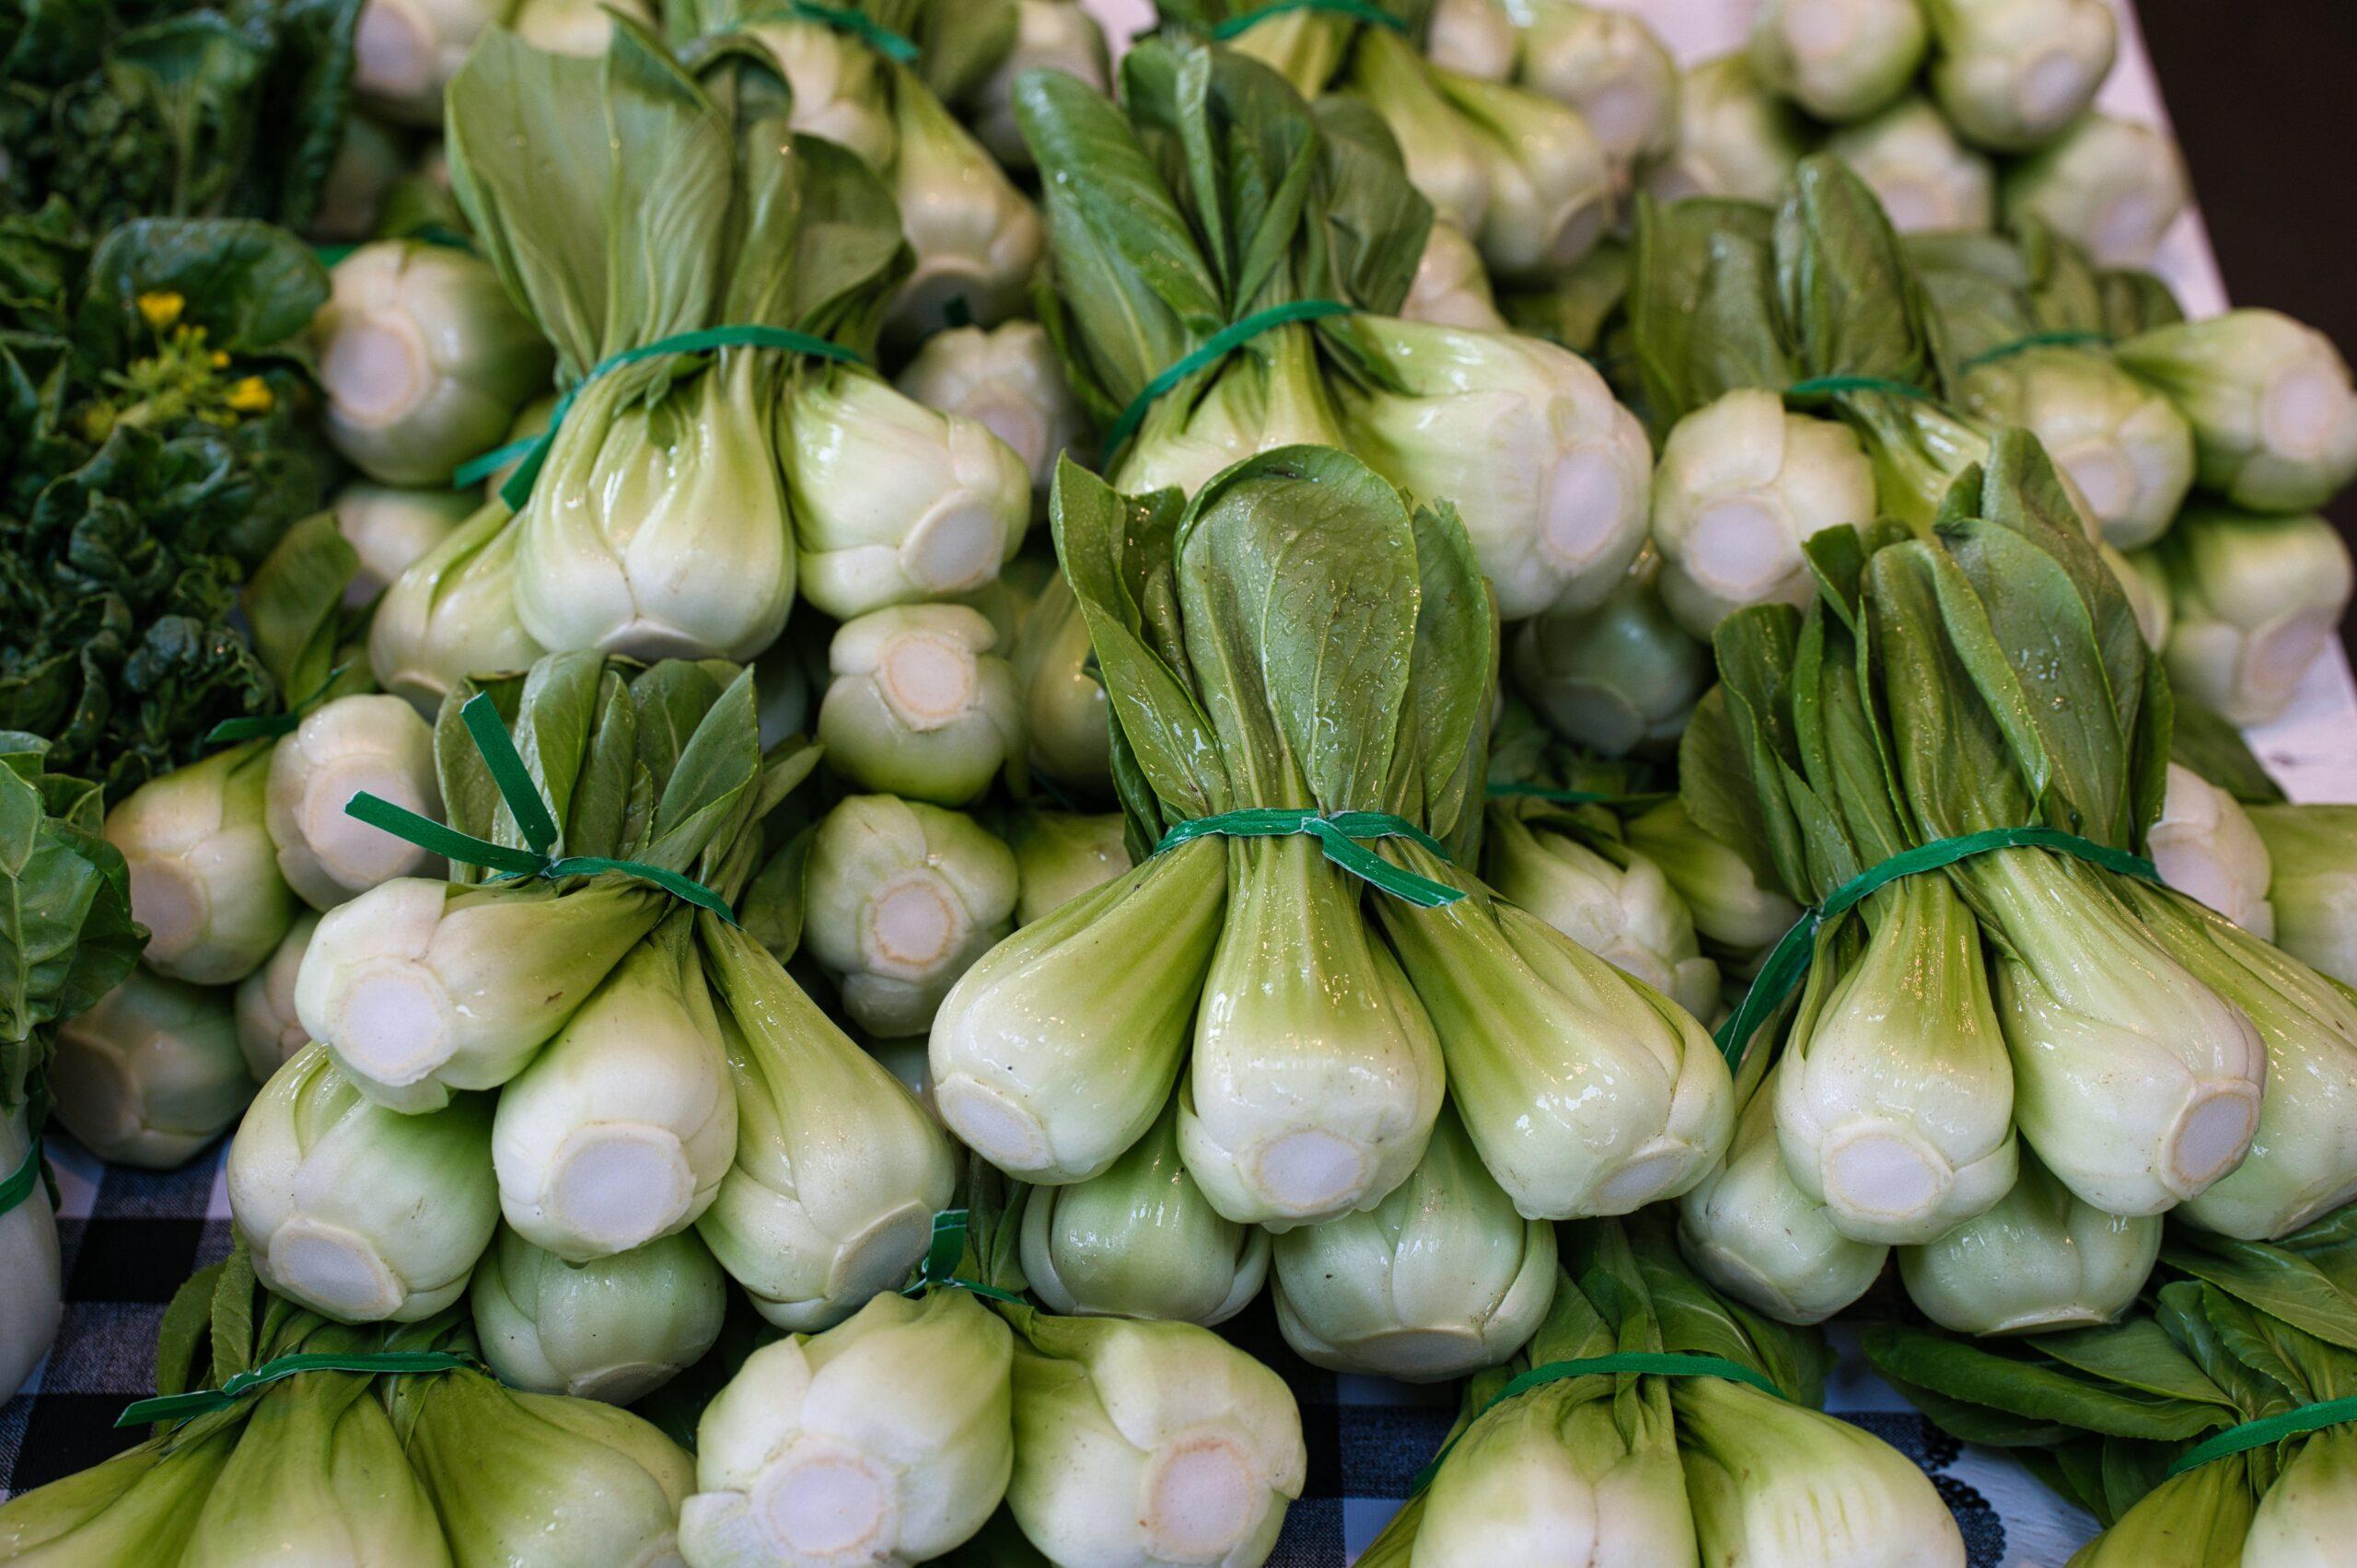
[(368, 743), (614, 1328), (1895, 1096), (424, 360), (901, 898), (1440, 1279), (887, 1438), (1523, 1012), (152, 1072), (919, 706), (1141, 1240), (1148, 1443), (204, 877), (35, 1299), (326, 1188), (618, 1132), (838, 1170), (1054, 1052), (2039, 1260), (1749, 1230), (423, 988)]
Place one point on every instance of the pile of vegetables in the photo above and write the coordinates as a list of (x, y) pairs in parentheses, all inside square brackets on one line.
[(867, 764)]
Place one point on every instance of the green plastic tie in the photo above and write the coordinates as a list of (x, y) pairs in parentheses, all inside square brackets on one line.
[(1215, 348), (1645, 1362), (1357, 10), (2059, 338), (1790, 958), (1336, 834), (480, 716), (939, 1266), (2266, 1430), (256, 726), (1826, 385), (532, 451), (21, 1180), (850, 21), (203, 1401)]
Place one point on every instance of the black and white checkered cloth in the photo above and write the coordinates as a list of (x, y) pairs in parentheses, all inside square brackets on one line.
[(129, 1237)]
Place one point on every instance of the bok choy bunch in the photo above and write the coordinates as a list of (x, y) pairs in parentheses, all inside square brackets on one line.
[(2023, 321), (1605, 65), (1790, 364), (423, 988), (1546, 469), (1520, 174), (1318, 1034), (75, 893), (679, 488), (342, 1461), (1890, 717), (2147, 1424), (1625, 1467), (975, 237)]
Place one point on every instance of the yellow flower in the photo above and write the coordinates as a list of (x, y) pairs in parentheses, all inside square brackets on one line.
[(162, 308), (249, 396), (217, 359)]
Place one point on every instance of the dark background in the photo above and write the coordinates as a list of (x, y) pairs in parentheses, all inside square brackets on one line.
[(2259, 92)]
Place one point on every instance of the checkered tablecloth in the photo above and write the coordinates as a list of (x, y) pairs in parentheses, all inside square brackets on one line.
[(129, 1237)]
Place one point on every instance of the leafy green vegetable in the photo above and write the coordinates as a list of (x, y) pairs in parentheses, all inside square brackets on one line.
[(173, 108), (153, 390)]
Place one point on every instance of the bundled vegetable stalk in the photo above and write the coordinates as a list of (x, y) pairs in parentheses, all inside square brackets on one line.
[(1219, 304), (723, 439), (2023, 323), (78, 941), (2212, 1425), (1519, 174), (1894, 705), (1319, 1027), (655, 1068), (895, 1435), (872, 77), (1789, 361), (1654, 1421), (1605, 65), (344, 1445)]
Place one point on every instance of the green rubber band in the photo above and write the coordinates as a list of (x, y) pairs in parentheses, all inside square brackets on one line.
[(939, 1265), (1336, 834), (202, 1402), (532, 819), (1790, 958), (20, 1182), (2057, 339), (514, 781), (1215, 348), (532, 451), (1826, 385), (1645, 1362), (1357, 10), (897, 47), (261, 725), (2266, 1430)]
